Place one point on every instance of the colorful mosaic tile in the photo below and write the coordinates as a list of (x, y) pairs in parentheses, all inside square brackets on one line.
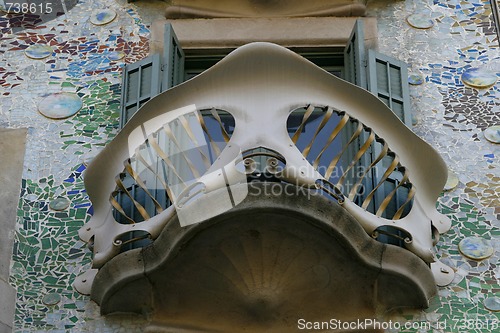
[(87, 62), (60, 105), (479, 78), (476, 248), (466, 105), (415, 79), (492, 303), (451, 182), (452, 118)]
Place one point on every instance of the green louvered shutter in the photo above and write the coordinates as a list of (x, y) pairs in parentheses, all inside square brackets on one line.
[(355, 56), (355, 72), (173, 59), (140, 83), (388, 80)]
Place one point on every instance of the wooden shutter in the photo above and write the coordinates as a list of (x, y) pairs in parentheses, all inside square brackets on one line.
[(140, 83), (173, 59), (148, 77), (355, 56), (388, 80)]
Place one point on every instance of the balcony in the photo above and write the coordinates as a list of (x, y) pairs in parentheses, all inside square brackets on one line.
[(264, 189)]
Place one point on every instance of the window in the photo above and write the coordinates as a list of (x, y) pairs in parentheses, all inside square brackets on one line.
[(157, 170), (330, 59), (150, 76), (385, 77), (353, 158)]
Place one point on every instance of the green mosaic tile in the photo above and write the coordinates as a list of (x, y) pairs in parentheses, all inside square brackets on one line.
[(67, 85)]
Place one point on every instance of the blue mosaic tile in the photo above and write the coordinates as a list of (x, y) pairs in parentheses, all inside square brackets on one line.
[(415, 79), (476, 248)]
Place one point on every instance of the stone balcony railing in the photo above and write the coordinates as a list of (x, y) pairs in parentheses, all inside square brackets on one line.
[(190, 171)]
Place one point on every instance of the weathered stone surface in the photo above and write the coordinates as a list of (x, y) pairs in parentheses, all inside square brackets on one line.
[(265, 8), (294, 32), (12, 143), (262, 265)]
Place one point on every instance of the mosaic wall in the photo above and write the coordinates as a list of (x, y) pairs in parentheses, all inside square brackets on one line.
[(84, 62), (452, 116)]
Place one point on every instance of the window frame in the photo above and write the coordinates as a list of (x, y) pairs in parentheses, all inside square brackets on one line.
[(328, 58)]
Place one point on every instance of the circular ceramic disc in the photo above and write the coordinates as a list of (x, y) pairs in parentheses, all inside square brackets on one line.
[(60, 105), (59, 204), (102, 16), (451, 182), (116, 55), (475, 248), (38, 51), (478, 78), (51, 299), (420, 21), (492, 134), (492, 303), (415, 79)]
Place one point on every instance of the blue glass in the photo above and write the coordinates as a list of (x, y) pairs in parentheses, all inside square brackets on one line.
[(415, 79), (60, 105), (103, 16), (478, 78), (476, 248)]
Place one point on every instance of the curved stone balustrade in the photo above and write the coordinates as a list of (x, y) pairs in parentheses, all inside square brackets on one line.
[(256, 86), (263, 265)]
